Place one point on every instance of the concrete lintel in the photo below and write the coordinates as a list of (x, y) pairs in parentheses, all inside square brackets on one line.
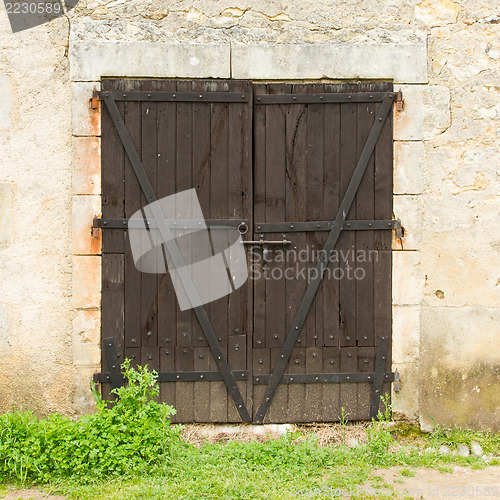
[(403, 63), (92, 60)]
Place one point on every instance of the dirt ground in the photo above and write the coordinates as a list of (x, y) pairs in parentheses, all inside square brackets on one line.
[(431, 483)]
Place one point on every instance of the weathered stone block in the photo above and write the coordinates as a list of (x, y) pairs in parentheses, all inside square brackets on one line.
[(460, 367), (92, 60), (83, 400), (85, 121), (86, 165), (85, 208), (408, 167), (405, 402), (86, 282), (405, 62), (408, 208), (407, 278), (86, 338), (437, 12), (406, 334), (463, 269), (5, 211), (426, 113), (5, 102)]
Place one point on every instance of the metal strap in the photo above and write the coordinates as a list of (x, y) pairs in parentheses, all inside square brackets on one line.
[(174, 253), (378, 381), (322, 264), (115, 376), (331, 97), (157, 96), (324, 378), (104, 223), (351, 225), (182, 376)]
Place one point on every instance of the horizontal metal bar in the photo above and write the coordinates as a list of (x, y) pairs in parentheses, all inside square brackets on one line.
[(157, 96), (181, 376), (349, 225), (323, 378), (267, 242), (330, 97), (174, 224)]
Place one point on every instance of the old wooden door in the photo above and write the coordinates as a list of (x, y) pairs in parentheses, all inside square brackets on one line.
[(302, 166)]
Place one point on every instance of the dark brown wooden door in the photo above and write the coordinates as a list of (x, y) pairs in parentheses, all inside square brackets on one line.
[(264, 162), (305, 157)]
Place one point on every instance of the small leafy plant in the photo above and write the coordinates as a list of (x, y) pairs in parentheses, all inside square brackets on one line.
[(122, 438)]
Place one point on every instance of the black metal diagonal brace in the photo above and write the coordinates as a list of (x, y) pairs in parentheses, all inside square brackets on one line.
[(322, 264), (175, 255)]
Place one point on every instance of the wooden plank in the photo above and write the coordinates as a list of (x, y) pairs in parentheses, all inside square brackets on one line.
[(296, 202), (331, 392), (237, 359), (201, 176), (365, 201), (261, 366), (166, 186), (201, 393), (112, 300), (149, 281), (112, 172), (219, 153), (184, 180), (150, 356), (134, 354), (184, 391), (314, 207), (133, 203), (239, 308), (331, 204), (254, 253), (275, 211), (349, 392), (167, 389), (347, 240), (314, 392), (277, 412), (366, 363), (296, 392)]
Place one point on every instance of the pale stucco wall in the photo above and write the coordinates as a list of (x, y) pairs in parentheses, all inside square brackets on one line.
[(443, 54)]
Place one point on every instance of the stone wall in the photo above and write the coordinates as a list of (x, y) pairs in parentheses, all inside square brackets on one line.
[(444, 55)]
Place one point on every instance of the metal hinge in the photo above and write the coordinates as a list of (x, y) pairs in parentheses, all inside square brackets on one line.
[(94, 100), (399, 100), (397, 385)]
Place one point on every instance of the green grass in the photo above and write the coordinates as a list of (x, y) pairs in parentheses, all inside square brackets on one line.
[(129, 450)]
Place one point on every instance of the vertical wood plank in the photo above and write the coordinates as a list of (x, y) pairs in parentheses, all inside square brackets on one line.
[(112, 303), (201, 393), (167, 389), (254, 253), (314, 392), (331, 392), (133, 202), (112, 172), (331, 204), (347, 240), (296, 392), (349, 391), (237, 359), (149, 281), (184, 391)]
